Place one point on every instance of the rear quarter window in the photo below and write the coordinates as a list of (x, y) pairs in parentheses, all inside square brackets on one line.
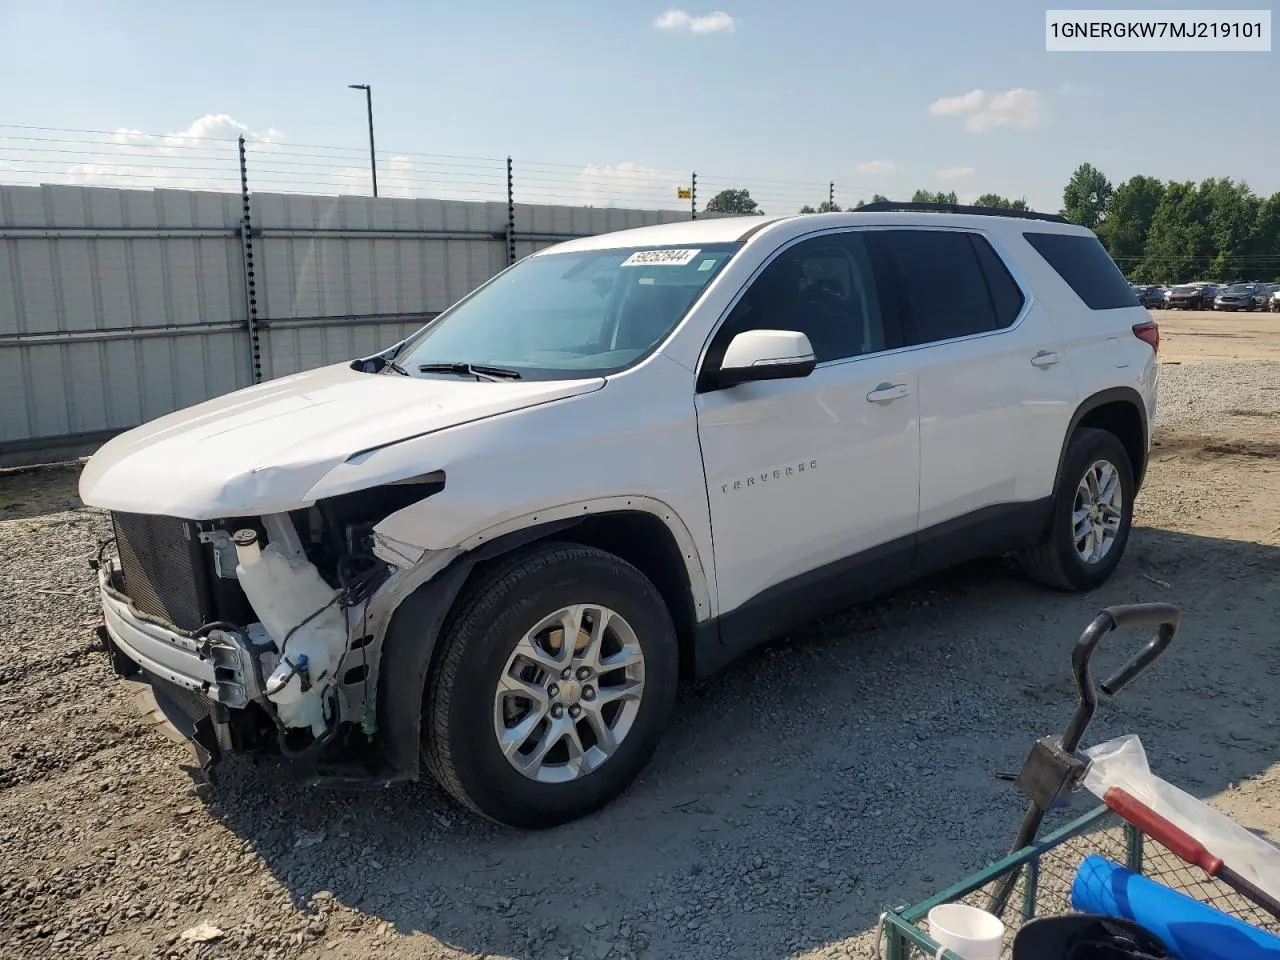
[(1083, 262), (1006, 296)]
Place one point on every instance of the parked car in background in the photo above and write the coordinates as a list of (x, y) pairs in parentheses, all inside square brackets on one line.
[(1263, 294), (1188, 297), (1237, 296), (1149, 296), (1275, 302)]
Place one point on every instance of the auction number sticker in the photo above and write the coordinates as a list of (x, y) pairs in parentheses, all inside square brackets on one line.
[(660, 258)]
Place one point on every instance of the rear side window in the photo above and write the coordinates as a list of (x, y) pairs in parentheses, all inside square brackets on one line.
[(1087, 267), (1006, 296), (943, 284)]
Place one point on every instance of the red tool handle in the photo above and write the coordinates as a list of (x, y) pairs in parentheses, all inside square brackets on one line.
[(1158, 828)]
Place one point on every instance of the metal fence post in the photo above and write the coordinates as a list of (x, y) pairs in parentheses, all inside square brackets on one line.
[(250, 285), (831, 194), (693, 195), (511, 214)]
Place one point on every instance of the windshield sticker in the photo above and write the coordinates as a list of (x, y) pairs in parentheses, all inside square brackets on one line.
[(659, 258), (706, 265)]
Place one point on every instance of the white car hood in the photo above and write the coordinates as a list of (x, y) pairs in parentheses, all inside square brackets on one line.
[(261, 449)]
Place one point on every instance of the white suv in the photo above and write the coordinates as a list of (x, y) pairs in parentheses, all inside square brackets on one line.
[(496, 547)]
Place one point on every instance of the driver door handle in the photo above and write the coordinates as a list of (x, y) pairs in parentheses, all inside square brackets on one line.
[(888, 391), (1045, 358)]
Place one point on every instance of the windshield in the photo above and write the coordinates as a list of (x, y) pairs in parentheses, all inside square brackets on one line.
[(568, 315), (1239, 288)]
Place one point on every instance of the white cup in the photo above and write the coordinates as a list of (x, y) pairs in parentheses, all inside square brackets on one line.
[(967, 931)]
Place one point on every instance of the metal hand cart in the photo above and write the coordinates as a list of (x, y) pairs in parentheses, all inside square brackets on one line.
[(1035, 879)]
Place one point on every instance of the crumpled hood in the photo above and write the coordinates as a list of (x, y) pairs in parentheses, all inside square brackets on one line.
[(261, 449)]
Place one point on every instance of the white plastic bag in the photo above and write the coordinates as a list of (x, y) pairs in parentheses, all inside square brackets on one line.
[(1123, 763)]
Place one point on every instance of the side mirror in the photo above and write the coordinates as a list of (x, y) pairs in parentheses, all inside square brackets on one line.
[(765, 355)]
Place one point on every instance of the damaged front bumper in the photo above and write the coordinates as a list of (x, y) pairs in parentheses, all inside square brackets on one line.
[(192, 683), (207, 688)]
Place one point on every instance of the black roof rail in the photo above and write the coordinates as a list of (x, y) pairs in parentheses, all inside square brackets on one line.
[(888, 206)]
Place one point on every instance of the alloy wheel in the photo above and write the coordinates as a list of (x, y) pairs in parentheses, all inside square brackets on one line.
[(1097, 511), (569, 693)]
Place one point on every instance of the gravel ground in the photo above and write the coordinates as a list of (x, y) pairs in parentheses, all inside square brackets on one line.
[(1196, 396), (797, 794)]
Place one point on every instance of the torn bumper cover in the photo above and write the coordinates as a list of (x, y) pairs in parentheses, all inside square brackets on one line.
[(190, 683)]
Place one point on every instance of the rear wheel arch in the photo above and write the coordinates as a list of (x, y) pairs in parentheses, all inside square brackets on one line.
[(1121, 412)]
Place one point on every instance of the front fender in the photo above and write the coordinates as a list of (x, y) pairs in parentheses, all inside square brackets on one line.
[(413, 525), (414, 609)]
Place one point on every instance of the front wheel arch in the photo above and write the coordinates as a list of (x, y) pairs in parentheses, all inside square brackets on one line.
[(410, 645), (410, 648)]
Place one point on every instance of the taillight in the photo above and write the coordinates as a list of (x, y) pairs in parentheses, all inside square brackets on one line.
[(1148, 333)]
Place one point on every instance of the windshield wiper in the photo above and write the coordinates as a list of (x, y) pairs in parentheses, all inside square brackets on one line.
[(481, 371), (396, 368)]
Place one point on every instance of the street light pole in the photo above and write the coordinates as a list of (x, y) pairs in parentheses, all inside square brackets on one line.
[(368, 99)]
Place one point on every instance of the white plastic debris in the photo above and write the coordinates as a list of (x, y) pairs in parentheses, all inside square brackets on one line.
[(1122, 762), (202, 933)]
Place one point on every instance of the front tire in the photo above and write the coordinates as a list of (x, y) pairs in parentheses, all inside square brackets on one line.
[(1091, 516), (555, 682)]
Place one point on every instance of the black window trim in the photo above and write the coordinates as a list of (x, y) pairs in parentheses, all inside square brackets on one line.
[(1019, 279)]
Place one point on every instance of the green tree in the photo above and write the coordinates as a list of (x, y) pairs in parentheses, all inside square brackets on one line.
[(924, 196), (1085, 198), (998, 202), (733, 201), (1233, 214), (875, 198), (1128, 224), (1264, 240), (1179, 246), (826, 206)]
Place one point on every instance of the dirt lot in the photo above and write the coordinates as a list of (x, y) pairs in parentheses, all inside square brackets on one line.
[(848, 768)]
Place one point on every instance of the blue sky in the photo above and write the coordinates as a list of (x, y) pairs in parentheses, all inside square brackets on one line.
[(777, 97)]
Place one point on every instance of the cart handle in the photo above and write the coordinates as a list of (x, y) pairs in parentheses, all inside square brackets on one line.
[(1163, 616), (1160, 829)]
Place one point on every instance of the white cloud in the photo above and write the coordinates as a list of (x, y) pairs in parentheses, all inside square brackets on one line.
[(204, 156), (955, 173), (876, 166), (626, 184), (713, 22), (984, 110), (212, 126), (201, 157)]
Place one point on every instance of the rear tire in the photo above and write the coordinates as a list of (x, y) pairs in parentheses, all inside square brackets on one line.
[(1088, 528), (507, 670)]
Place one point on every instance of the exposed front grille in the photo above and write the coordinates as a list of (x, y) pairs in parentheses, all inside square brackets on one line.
[(191, 704), (163, 566)]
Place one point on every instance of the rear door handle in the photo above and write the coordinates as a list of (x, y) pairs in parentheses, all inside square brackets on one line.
[(888, 391), (1045, 358)]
